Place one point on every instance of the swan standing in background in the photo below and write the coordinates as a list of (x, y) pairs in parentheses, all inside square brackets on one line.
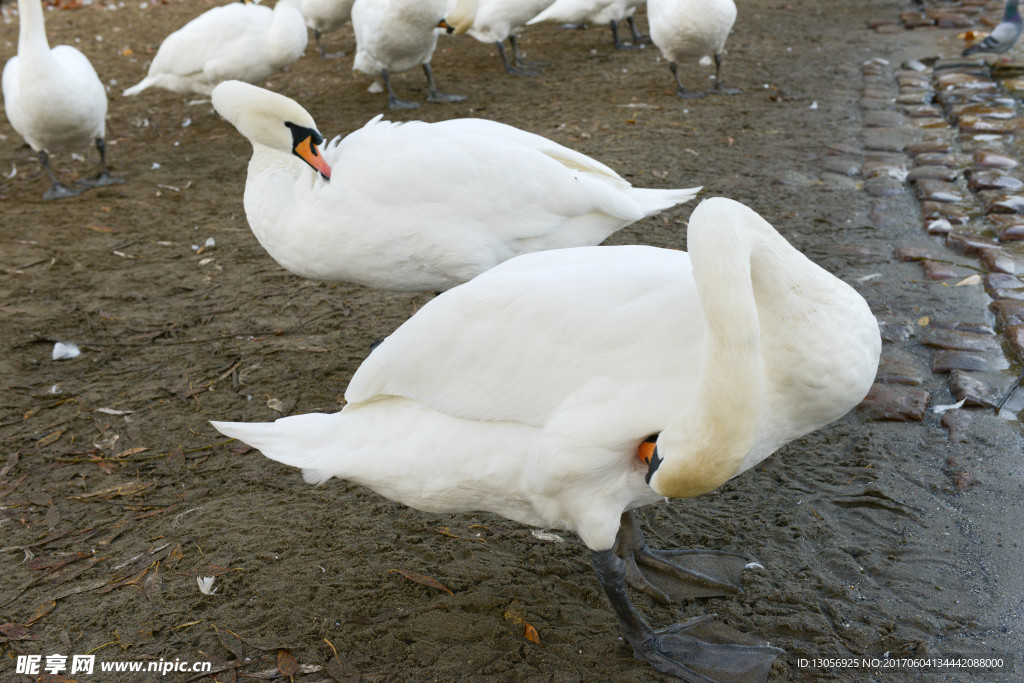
[(397, 35), (1004, 36), (690, 30), (535, 391), (54, 99), (324, 16), (497, 20), (609, 12), (418, 206), (241, 41)]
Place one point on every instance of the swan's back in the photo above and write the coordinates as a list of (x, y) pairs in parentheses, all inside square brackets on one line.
[(521, 341)]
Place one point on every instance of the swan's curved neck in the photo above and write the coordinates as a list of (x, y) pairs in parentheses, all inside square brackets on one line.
[(706, 445), (31, 28)]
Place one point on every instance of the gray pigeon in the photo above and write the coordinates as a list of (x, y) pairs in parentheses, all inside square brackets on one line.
[(1004, 36)]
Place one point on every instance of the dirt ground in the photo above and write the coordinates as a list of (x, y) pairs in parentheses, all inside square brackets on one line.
[(116, 494)]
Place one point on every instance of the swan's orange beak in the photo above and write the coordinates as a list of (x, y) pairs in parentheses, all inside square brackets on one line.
[(646, 450), (446, 26), (309, 153)]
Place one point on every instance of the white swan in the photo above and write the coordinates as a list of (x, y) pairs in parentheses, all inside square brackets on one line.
[(497, 20), (54, 99), (324, 16), (529, 391), (242, 41), (690, 30), (419, 206), (609, 12), (398, 35)]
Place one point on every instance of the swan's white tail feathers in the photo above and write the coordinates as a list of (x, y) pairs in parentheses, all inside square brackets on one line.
[(137, 88), (653, 201), (315, 477), (308, 442)]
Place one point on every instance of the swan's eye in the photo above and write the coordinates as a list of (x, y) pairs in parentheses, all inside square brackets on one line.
[(300, 133)]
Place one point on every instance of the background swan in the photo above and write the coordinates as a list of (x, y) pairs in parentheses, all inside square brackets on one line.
[(419, 206), (398, 35), (689, 30), (497, 20), (325, 16), (54, 99), (242, 41), (609, 12), (529, 391)]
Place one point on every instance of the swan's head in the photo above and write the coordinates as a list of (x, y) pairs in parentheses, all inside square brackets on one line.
[(459, 16), (273, 120)]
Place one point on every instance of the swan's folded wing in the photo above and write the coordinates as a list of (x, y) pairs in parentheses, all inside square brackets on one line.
[(568, 157), (519, 340), (514, 185)]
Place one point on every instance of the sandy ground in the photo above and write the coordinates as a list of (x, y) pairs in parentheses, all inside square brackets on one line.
[(116, 494)]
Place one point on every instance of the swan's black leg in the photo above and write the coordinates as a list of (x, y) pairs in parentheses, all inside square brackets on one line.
[(638, 38), (674, 650), (514, 42), (432, 94), (680, 90), (510, 69), (103, 177), (718, 88), (619, 45), (58, 190), (671, 575), (393, 101)]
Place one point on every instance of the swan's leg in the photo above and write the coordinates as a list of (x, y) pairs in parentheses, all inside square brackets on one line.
[(393, 101), (680, 90), (669, 575), (619, 45), (673, 650), (103, 177), (509, 68), (718, 88), (514, 42), (638, 38), (58, 190), (432, 94)]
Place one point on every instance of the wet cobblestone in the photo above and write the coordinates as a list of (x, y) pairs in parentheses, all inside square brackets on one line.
[(958, 121)]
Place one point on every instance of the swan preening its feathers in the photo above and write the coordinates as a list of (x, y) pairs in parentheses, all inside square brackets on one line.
[(241, 41), (419, 206), (54, 99), (527, 392)]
